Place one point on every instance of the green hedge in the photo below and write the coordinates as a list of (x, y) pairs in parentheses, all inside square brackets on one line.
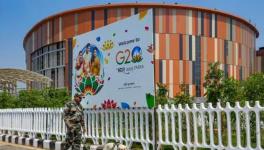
[(48, 97)]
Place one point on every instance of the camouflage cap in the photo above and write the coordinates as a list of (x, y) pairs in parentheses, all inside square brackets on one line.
[(78, 95)]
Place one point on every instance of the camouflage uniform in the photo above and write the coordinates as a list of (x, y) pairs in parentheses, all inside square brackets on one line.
[(74, 120)]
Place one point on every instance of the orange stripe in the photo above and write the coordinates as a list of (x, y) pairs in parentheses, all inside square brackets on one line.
[(194, 23), (185, 75), (174, 46), (112, 16), (210, 49), (167, 21), (221, 27), (56, 30), (176, 77), (206, 24), (68, 26), (162, 44), (193, 90), (157, 71), (170, 20), (181, 21), (84, 22), (99, 19), (125, 12)]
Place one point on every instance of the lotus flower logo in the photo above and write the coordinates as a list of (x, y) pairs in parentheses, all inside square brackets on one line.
[(109, 104)]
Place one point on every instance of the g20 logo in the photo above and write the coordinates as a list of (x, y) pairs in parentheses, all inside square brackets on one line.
[(125, 57)]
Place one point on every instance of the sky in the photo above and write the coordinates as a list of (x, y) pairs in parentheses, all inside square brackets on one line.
[(18, 16)]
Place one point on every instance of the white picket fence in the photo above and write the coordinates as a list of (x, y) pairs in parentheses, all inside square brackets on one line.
[(176, 126)]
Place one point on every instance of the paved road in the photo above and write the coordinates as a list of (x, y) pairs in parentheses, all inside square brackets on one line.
[(9, 146)]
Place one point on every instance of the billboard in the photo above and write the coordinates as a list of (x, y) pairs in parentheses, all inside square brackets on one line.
[(113, 66)]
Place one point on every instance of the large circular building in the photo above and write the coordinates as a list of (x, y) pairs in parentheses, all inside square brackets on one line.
[(187, 39)]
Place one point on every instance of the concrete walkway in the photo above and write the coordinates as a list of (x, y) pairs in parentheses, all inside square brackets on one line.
[(10, 146)]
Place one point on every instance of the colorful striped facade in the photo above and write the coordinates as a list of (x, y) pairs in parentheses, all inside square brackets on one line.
[(187, 39)]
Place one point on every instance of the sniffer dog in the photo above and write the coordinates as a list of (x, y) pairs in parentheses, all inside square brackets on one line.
[(114, 146)]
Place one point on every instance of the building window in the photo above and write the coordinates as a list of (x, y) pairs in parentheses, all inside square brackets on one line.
[(48, 61)]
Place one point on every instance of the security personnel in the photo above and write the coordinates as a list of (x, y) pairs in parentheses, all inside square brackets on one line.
[(74, 120)]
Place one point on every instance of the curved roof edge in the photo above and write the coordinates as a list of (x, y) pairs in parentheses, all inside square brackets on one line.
[(10, 74), (151, 5)]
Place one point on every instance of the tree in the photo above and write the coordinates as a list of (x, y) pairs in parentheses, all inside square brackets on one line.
[(162, 94), (232, 91), (183, 97), (253, 88), (7, 100), (213, 83), (31, 98), (48, 97)]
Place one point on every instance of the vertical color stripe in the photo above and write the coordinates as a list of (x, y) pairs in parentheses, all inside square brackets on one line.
[(160, 20), (202, 23), (236, 53), (174, 21), (118, 17), (205, 49), (210, 25), (181, 47), (190, 47), (167, 46), (231, 29), (199, 23), (198, 65), (136, 11), (157, 46), (171, 78), (190, 72), (160, 71), (187, 48), (190, 21), (105, 16), (181, 71), (132, 10), (193, 49), (234, 30), (215, 49), (60, 29), (48, 33), (221, 50), (93, 21), (193, 72), (164, 71), (75, 24), (33, 41), (213, 25)]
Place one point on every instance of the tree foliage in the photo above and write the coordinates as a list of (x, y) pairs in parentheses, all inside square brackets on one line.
[(48, 97), (253, 88), (162, 94), (183, 97), (213, 83), (232, 91)]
